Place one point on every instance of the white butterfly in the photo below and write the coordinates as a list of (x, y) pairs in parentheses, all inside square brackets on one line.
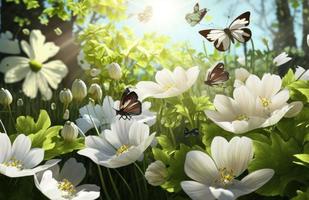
[(197, 15), (237, 30)]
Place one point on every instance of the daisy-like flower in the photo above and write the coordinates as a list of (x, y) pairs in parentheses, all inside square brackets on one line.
[(63, 184), (216, 177), (122, 145), (37, 74), (238, 114), (169, 84), (241, 75), (271, 100), (281, 59), (103, 115), (8, 44), (301, 74), (19, 159)]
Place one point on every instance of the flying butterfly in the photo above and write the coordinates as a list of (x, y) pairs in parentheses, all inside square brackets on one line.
[(193, 132), (145, 15), (236, 31), (129, 105), (216, 75), (197, 15)]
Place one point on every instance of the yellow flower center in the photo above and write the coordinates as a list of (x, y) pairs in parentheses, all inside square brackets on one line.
[(242, 117), (122, 149), (66, 186), (14, 163), (265, 102), (226, 176), (35, 66)]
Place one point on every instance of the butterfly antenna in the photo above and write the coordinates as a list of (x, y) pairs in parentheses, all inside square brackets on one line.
[(3, 127)]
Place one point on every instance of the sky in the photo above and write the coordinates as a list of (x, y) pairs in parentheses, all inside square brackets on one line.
[(169, 19)]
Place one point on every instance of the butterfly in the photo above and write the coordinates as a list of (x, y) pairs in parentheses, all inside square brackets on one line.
[(216, 75), (197, 15), (193, 132), (145, 15), (236, 31), (129, 105)]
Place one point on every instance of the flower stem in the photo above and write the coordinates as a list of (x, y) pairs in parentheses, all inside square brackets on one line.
[(125, 182), (142, 173), (103, 183), (252, 57), (113, 184), (187, 111)]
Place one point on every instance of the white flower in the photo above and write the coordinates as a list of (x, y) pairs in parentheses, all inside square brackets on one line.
[(271, 100), (301, 74), (215, 178), (19, 159), (38, 75), (296, 108), (103, 115), (241, 75), (156, 173), (169, 84), (82, 62), (63, 184), (8, 44), (281, 59), (238, 115), (122, 145), (114, 71)]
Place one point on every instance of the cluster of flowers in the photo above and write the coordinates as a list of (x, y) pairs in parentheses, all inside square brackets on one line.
[(256, 103)]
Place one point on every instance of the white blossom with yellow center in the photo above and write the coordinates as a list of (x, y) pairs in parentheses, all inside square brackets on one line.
[(216, 177), (38, 74), (122, 145), (63, 184), (19, 159)]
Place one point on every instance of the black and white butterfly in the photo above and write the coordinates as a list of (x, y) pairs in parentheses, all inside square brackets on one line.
[(216, 75), (236, 31), (197, 15), (129, 105), (193, 132)]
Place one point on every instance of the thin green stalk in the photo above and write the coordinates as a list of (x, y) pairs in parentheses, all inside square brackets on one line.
[(103, 183), (144, 180), (252, 57), (138, 186), (187, 111), (172, 136), (125, 182), (113, 184)]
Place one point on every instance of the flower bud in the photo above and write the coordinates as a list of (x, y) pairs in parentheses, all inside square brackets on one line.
[(65, 96), (20, 102), (79, 90), (5, 97), (66, 114), (241, 75), (69, 131), (95, 92), (156, 173), (114, 71), (53, 106)]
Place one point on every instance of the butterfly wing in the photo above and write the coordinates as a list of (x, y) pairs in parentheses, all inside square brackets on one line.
[(217, 75), (197, 15), (129, 103), (220, 39), (238, 28)]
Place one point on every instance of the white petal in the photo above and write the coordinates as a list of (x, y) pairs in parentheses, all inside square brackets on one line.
[(11, 62), (192, 75), (297, 107), (30, 87), (16, 74), (165, 78), (34, 157), (9, 46), (94, 154), (87, 191), (5, 147), (271, 85), (279, 100), (73, 171), (196, 190), (43, 87), (138, 133), (222, 194), (240, 154), (21, 147), (48, 164), (54, 72), (148, 88), (256, 179), (200, 167), (220, 151), (99, 143), (27, 49)]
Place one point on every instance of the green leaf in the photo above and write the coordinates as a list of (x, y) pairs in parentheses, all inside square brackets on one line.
[(165, 143), (279, 156), (27, 125), (302, 195), (160, 155), (288, 78)]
